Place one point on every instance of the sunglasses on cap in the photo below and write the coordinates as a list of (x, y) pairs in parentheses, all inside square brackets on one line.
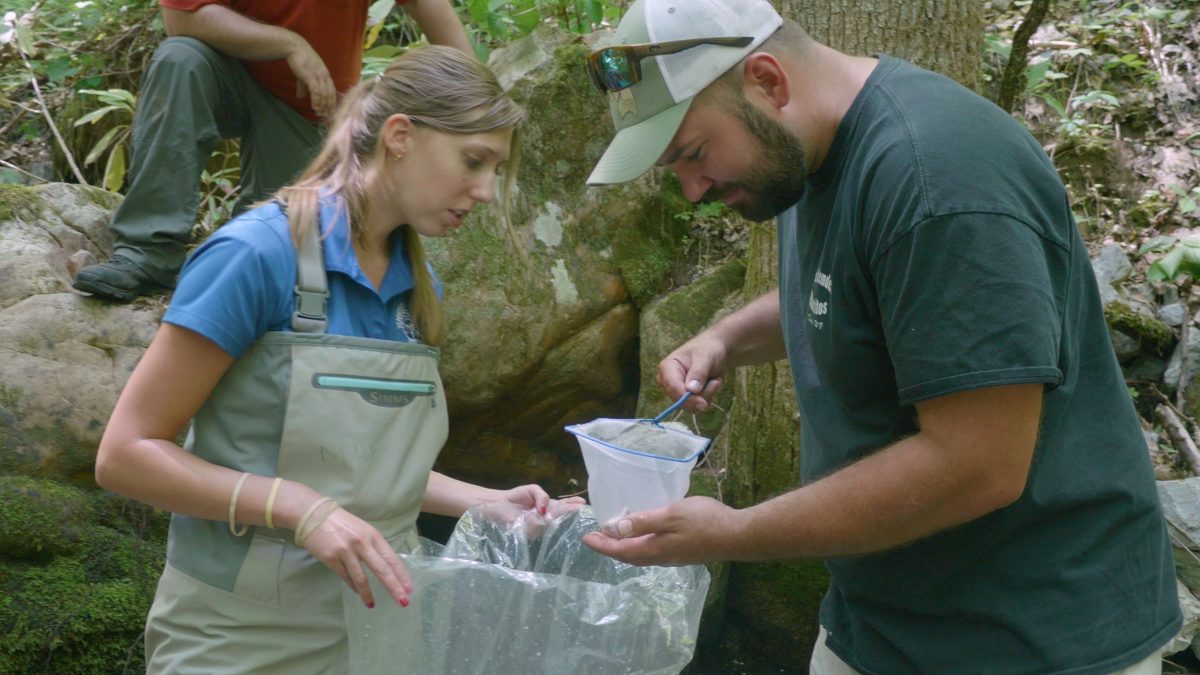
[(620, 66)]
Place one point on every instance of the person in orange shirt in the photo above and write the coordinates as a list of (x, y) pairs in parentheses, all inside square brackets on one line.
[(266, 73)]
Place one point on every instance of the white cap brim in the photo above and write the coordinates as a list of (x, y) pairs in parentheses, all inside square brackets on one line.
[(636, 148)]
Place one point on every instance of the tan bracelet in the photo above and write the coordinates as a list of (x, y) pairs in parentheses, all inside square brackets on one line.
[(271, 501), (237, 489), (317, 519), (299, 539)]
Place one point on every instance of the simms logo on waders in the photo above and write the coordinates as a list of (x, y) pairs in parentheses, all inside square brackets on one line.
[(378, 391)]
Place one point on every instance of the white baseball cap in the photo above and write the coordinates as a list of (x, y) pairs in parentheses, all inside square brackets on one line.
[(648, 114)]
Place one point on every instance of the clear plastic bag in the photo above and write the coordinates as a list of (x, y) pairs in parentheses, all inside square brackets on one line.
[(497, 600)]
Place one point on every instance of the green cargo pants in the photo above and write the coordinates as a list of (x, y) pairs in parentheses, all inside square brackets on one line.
[(191, 98)]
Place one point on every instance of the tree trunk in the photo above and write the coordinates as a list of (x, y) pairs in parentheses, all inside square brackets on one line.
[(945, 36), (773, 608)]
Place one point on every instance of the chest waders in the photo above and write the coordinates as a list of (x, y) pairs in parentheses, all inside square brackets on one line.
[(357, 419)]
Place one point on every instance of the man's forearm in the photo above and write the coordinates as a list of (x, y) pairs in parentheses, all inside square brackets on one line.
[(753, 334), (231, 33), (971, 457)]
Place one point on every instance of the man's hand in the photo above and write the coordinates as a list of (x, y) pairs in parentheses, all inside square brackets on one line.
[(312, 78), (694, 367), (690, 531)]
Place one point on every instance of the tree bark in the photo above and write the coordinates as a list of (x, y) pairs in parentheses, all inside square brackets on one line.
[(1012, 82), (945, 36)]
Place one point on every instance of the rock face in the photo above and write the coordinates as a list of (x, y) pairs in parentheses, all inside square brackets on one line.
[(543, 316), (66, 357)]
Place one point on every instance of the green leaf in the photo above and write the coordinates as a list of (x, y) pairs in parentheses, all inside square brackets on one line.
[(25, 39), (1157, 244), (1034, 74), (527, 20), (102, 145), (60, 69), (372, 35), (478, 9), (1054, 103), (119, 97), (1097, 95), (384, 52), (481, 51), (1183, 259), (594, 11), (96, 115), (114, 171)]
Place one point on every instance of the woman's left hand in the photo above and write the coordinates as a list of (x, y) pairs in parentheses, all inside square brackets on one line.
[(530, 506), (532, 496)]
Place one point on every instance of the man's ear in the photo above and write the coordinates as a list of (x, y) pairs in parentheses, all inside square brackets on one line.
[(764, 79), (397, 134)]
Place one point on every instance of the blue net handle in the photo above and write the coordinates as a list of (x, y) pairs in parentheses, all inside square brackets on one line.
[(674, 406)]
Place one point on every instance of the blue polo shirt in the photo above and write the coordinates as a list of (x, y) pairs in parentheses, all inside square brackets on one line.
[(240, 283)]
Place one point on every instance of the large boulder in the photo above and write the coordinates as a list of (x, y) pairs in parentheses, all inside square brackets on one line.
[(66, 356), (543, 311)]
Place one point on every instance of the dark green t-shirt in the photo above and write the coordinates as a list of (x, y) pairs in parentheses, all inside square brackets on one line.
[(935, 252)]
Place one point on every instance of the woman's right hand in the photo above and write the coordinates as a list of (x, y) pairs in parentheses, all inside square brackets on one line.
[(345, 544)]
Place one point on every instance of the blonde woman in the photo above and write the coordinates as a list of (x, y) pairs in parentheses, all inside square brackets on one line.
[(301, 344)]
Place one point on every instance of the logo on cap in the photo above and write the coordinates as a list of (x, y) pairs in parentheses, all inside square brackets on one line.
[(626, 103)]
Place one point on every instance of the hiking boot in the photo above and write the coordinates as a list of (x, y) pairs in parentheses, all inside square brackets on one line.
[(117, 280)]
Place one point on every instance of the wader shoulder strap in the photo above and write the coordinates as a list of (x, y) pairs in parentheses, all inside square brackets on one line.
[(312, 288)]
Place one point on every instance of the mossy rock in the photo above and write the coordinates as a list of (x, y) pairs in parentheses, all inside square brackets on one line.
[(776, 606), (15, 198), (41, 518), (1155, 336), (110, 555), (73, 598), (57, 619), (126, 515)]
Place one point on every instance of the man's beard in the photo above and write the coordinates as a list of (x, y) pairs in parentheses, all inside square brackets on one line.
[(781, 175)]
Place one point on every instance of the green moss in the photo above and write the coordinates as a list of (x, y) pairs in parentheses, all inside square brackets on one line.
[(45, 451), (1153, 334), (14, 197), (9, 396), (41, 518), (777, 605), (79, 608), (100, 197), (693, 310), (55, 619), (67, 456), (1144, 212), (109, 555), (553, 166), (17, 454), (649, 243), (126, 515)]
